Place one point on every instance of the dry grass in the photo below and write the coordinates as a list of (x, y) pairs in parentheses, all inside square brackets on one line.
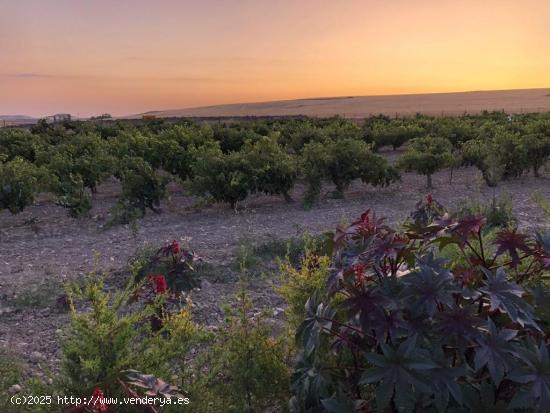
[(511, 101)]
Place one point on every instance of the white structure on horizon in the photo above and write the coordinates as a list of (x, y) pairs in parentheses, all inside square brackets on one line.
[(60, 117)]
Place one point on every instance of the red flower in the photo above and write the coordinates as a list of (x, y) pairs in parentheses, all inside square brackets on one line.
[(429, 199), (98, 404), (359, 271), (175, 247), (159, 282)]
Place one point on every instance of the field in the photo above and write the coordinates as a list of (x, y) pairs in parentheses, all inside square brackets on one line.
[(254, 201), (437, 104), (57, 247)]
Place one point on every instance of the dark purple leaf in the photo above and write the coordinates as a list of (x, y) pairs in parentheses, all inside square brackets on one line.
[(509, 241), (506, 296)]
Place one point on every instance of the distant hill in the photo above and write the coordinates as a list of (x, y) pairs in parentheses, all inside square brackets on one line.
[(16, 119), (511, 101)]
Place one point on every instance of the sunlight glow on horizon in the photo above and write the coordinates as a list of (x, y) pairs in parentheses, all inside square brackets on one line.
[(128, 57)]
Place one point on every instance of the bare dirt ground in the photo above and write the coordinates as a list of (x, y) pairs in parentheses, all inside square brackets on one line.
[(42, 246)]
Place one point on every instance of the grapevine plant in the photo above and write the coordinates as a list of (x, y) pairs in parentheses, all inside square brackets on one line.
[(401, 327)]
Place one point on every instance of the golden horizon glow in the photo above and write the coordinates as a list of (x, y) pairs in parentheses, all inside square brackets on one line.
[(129, 57)]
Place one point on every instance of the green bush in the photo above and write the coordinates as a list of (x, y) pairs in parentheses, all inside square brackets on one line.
[(479, 154), (394, 134), (111, 334), (314, 161), (426, 156), (142, 187), (223, 177), (342, 161), (67, 184), (18, 143), (20, 181), (247, 368), (232, 138), (273, 171), (537, 147), (512, 154), (498, 212), (298, 284), (73, 196), (502, 154), (296, 136), (91, 160)]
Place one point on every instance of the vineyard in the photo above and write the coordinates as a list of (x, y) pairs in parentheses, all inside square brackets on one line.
[(228, 163), (278, 265)]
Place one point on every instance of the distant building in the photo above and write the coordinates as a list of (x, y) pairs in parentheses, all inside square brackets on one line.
[(103, 116), (60, 117)]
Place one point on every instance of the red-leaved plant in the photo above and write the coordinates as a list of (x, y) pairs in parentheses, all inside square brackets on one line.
[(151, 386), (158, 283), (401, 328), (177, 264)]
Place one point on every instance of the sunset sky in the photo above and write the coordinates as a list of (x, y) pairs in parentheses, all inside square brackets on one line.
[(129, 56)]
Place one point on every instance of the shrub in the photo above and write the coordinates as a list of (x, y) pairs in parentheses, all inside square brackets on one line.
[(512, 154), (142, 188), (342, 161), (73, 196), (537, 147), (396, 330), (273, 171), (20, 181), (174, 261), (131, 143), (223, 177), (90, 160), (426, 156), (500, 156), (232, 138), (314, 161), (297, 285), (110, 336), (383, 133), (18, 143), (246, 367), (298, 136), (346, 161), (498, 212), (479, 154), (67, 184)]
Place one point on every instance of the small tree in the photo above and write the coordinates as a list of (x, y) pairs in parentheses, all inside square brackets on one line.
[(343, 161), (20, 180), (478, 153), (426, 156), (108, 334), (224, 177), (313, 162), (16, 142), (247, 368), (90, 159), (346, 160), (273, 170), (512, 154), (537, 146), (142, 188)]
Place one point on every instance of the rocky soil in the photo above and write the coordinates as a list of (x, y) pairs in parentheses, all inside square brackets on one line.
[(43, 247)]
